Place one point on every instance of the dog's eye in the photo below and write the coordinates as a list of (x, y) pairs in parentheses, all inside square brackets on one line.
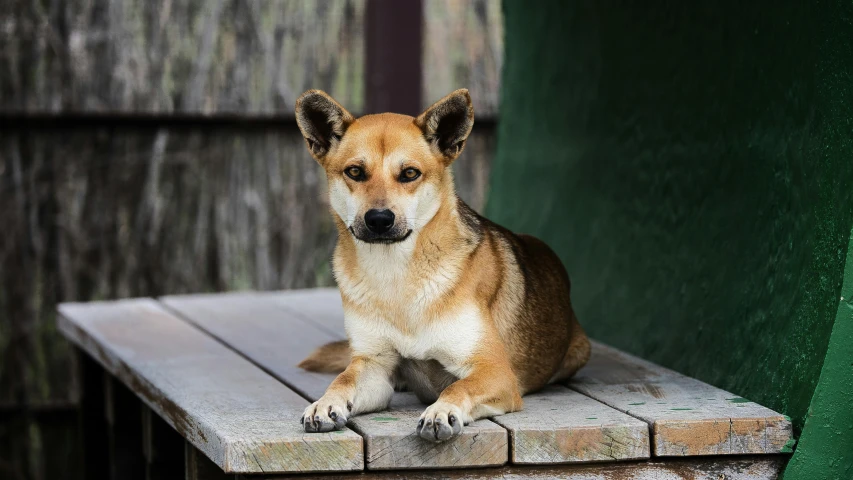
[(355, 173), (409, 174)]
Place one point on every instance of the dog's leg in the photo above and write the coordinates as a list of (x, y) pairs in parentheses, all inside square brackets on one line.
[(489, 389), (365, 386)]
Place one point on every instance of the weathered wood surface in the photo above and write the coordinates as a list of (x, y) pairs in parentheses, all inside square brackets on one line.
[(558, 425), (718, 468), (463, 47), (178, 56), (391, 442), (584, 430), (260, 330), (687, 417), (225, 56), (258, 326), (240, 417)]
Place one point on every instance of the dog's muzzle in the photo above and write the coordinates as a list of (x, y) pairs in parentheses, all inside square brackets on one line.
[(379, 226)]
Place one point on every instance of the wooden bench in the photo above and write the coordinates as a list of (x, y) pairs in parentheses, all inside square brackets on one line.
[(221, 396)]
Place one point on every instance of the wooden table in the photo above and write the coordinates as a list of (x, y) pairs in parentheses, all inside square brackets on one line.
[(206, 386)]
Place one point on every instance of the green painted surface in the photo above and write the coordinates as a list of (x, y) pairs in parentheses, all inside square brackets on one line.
[(826, 446), (385, 419), (694, 171), (788, 447)]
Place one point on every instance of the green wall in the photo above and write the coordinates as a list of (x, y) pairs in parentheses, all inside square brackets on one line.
[(825, 451), (693, 168)]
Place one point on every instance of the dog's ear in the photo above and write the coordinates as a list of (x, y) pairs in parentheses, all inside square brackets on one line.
[(447, 123), (322, 121)]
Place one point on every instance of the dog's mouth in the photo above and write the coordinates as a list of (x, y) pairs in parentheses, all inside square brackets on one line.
[(386, 239)]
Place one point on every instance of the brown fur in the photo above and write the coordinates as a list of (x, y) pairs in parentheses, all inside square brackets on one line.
[(330, 358), (458, 275)]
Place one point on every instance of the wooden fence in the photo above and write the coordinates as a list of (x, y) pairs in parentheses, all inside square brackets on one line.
[(147, 147)]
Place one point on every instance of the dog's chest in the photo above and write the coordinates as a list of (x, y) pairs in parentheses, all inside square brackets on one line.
[(391, 275), (451, 340)]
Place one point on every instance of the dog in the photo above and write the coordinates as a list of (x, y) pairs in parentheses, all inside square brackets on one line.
[(464, 313)]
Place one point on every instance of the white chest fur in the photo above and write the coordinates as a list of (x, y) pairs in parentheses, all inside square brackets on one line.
[(388, 272), (450, 340)]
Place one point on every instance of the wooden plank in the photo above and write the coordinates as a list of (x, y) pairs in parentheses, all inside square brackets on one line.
[(589, 431), (391, 441), (687, 417), (240, 417), (257, 325), (478, 26), (184, 57), (558, 425), (705, 468), (263, 332)]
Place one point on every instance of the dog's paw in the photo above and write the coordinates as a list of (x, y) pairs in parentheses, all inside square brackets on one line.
[(441, 421), (325, 415)]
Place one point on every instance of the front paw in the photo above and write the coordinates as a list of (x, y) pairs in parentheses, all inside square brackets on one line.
[(326, 415), (441, 421)]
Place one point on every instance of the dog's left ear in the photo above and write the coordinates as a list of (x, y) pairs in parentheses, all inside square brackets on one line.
[(447, 123)]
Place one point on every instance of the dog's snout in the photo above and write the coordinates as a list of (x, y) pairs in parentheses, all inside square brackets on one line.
[(379, 221)]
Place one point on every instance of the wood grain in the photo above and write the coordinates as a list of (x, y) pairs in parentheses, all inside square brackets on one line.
[(585, 430), (263, 328), (463, 47), (178, 56), (262, 332), (687, 417), (240, 417), (714, 468), (392, 444), (558, 425)]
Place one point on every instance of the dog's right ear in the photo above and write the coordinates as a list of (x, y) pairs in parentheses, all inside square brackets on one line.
[(322, 121)]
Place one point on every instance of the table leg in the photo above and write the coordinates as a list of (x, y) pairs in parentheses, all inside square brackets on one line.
[(92, 423), (162, 447), (123, 412), (199, 467)]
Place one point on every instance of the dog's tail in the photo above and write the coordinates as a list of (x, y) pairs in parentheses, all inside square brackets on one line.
[(330, 358)]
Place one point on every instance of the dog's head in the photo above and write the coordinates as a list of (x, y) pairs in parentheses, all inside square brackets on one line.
[(386, 172)]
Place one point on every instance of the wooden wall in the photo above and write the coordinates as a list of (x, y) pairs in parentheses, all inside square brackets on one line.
[(147, 147), (178, 56)]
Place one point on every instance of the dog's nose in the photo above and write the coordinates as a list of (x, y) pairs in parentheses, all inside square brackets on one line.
[(379, 221)]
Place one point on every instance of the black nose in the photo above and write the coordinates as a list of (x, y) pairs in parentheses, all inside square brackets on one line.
[(379, 221)]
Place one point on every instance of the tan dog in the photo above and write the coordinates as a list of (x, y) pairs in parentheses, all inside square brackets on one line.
[(465, 313)]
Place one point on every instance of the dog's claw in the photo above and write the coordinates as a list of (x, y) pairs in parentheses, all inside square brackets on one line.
[(324, 416), (440, 422)]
